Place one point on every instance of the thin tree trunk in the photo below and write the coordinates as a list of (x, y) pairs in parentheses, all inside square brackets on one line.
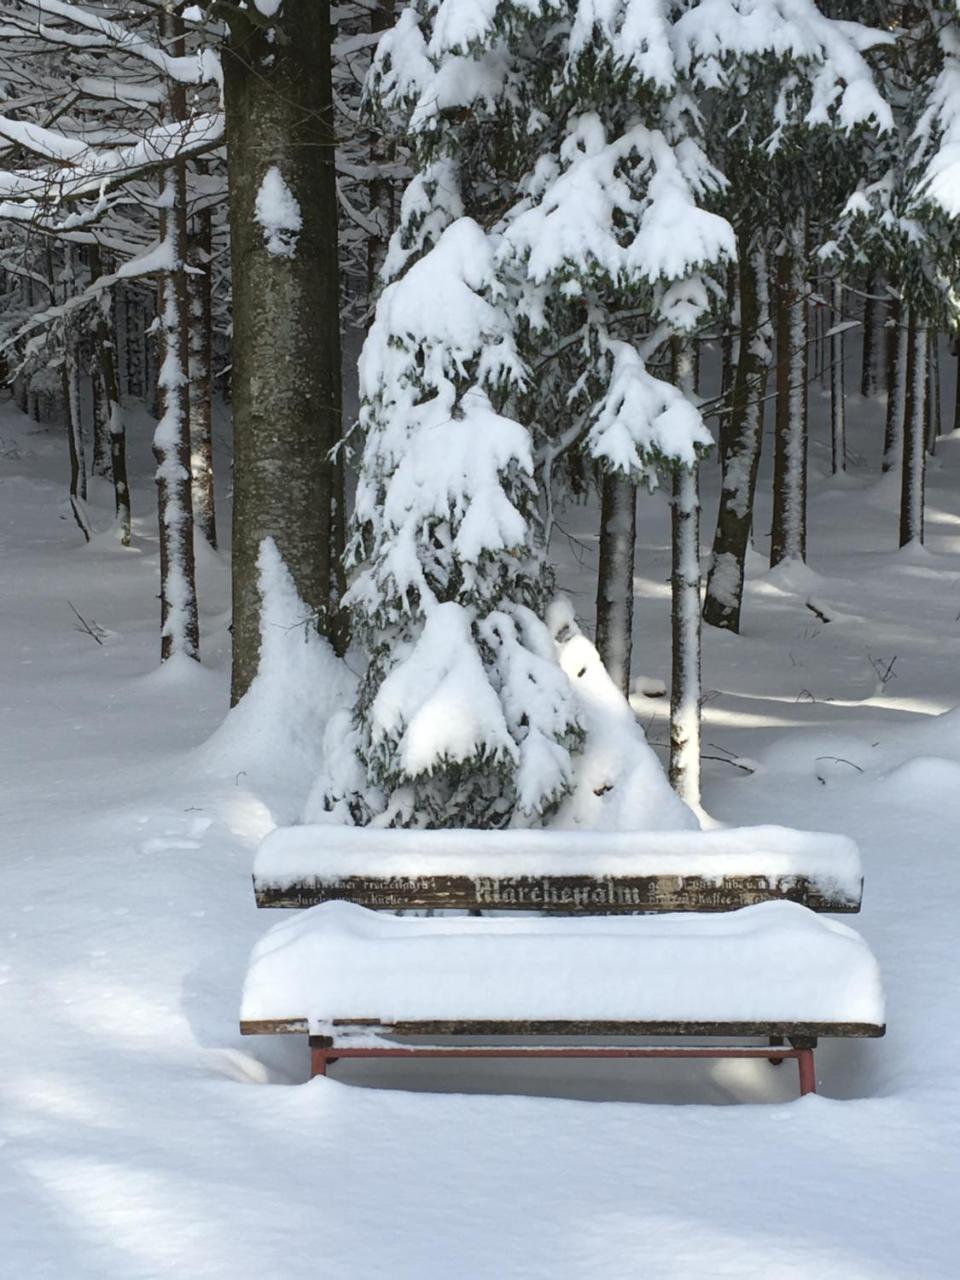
[(871, 337), (741, 456), (914, 431), (109, 379), (789, 534), (179, 627), (838, 417), (100, 466), (618, 528), (380, 189), (685, 690), (896, 386), (71, 399), (201, 433), (935, 408), (729, 353), (286, 364)]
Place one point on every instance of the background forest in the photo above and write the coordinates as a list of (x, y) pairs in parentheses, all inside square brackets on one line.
[(585, 250)]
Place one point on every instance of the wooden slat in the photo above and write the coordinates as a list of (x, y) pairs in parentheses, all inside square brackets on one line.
[(563, 895), (519, 1030)]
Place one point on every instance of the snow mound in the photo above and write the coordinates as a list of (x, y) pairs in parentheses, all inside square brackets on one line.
[(618, 782), (277, 727), (772, 962)]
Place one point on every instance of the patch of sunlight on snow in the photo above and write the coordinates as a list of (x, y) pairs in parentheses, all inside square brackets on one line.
[(778, 1250), (134, 1212), (128, 1013), (916, 706), (651, 588), (735, 719), (58, 1096)]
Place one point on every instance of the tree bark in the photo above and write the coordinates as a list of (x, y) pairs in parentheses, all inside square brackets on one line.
[(179, 626), (685, 690), (838, 416), (741, 434), (871, 337), (789, 534), (109, 381), (286, 372), (896, 386), (380, 189), (914, 432), (934, 406), (201, 400), (618, 529)]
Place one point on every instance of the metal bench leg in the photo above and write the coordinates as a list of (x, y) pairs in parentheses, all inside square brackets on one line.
[(320, 1055), (808, 1074), (776, 1042)]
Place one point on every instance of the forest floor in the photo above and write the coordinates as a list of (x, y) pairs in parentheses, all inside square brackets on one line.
[(142, 1138)]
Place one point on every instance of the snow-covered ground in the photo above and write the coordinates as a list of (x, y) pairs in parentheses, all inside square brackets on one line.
[(134, 1141)]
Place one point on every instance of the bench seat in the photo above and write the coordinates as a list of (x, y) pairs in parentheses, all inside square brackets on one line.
[(359, 982)]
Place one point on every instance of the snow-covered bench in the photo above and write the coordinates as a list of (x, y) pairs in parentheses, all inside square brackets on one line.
[(361, 984)]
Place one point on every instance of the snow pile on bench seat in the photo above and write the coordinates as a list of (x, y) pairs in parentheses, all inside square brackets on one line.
[(775, 961), (328, 853)]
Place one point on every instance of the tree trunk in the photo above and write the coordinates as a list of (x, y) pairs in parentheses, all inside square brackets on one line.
[(741, 436), (286, 362), (896, 386), (109, 380), (871, 337), (100, 466), (934, 406), (380, 189), (179, 627), (201, 433), (789, 535), (914, 432), (685, 690), (618, 529), (71, 405), (729, 353), (838, 417)]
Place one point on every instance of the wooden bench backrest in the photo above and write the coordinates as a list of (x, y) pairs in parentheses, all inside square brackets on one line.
[(564, 873), (561, 895)]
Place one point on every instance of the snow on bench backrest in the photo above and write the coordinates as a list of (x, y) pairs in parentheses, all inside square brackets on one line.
[(557, 871)]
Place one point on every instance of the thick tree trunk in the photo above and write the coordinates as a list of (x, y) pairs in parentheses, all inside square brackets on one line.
[(896, 386), (914, 432), (838, 414), (741, 434), (109, 382), (685, 692), (286, 363), (618, 529), (789, 535), (201, 433)]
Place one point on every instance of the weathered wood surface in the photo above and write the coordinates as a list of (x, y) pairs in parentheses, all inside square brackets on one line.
[(562, 895), (792, 1031)]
